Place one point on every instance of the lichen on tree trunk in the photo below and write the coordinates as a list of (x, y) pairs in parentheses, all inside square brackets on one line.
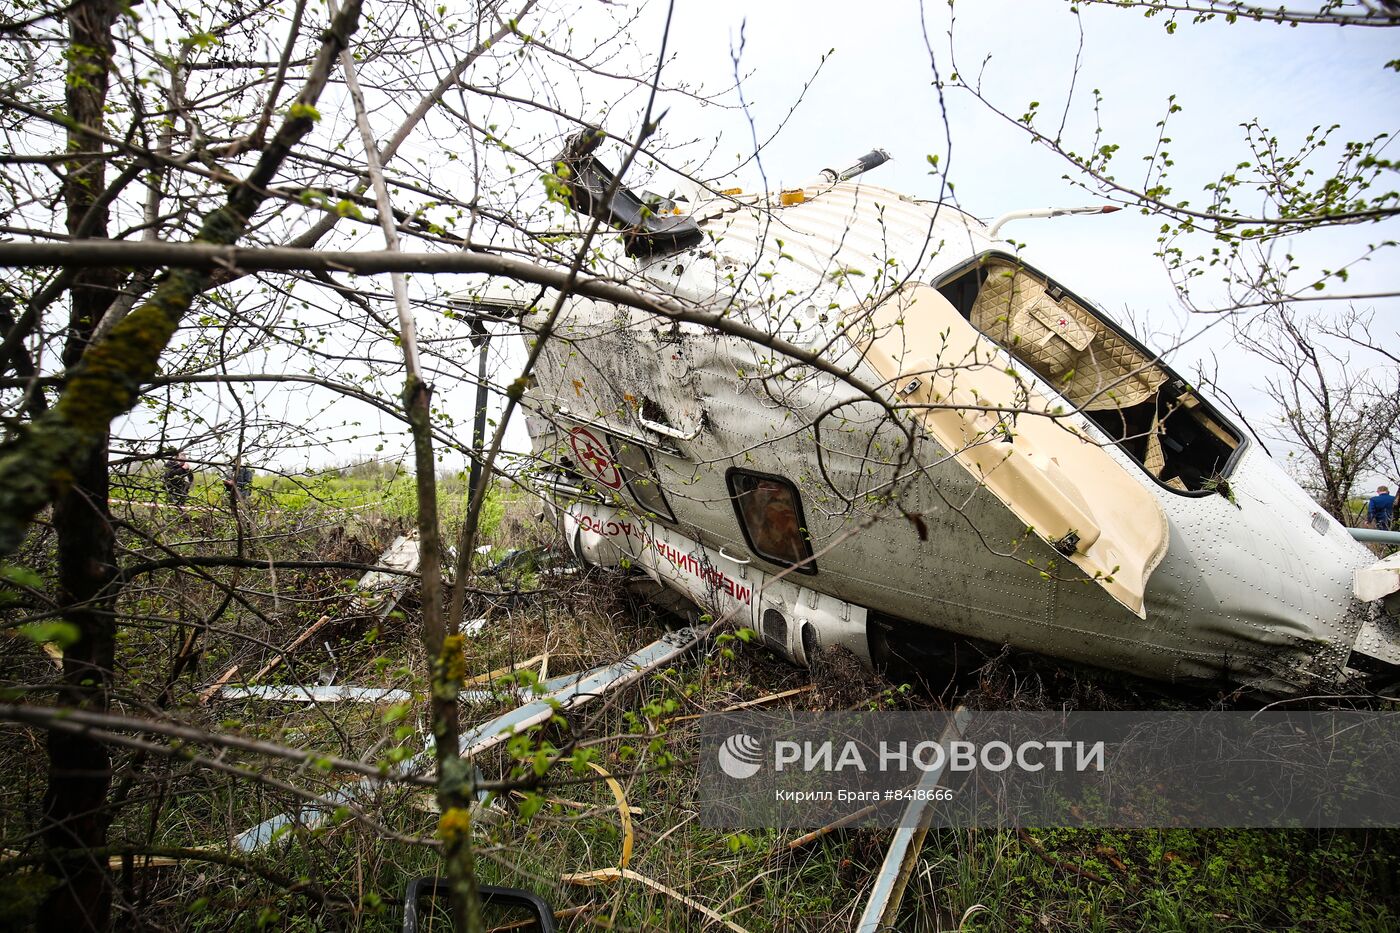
[(74, 818), (61, 457), (35, 465)]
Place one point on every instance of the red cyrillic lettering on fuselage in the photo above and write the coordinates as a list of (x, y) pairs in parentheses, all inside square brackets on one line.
[(681, 560)]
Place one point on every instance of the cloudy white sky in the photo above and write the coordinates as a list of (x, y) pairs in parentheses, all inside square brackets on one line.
[(876, 90)]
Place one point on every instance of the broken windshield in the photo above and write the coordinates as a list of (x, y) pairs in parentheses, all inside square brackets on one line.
[(1145, 409)]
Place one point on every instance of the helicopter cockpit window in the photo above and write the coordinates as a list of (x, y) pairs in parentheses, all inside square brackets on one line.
[(639, 475), (1148, 411), (770, 514)]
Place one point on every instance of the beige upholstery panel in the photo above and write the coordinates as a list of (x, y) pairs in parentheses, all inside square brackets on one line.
[(1089, 364)]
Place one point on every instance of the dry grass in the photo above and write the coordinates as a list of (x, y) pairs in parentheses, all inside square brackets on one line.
[(350, 872)]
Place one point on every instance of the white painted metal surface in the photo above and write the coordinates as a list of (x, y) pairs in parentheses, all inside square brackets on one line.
[(378, 592), (1378, 580), (1253, 587)]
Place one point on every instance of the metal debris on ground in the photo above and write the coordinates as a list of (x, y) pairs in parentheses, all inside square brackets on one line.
[(377, 592), (883, 907), (567, 692), (574, 690), (294, 693)]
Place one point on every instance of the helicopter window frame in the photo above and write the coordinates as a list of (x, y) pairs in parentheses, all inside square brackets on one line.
[(983, 260), (630, 477), (806, 562)]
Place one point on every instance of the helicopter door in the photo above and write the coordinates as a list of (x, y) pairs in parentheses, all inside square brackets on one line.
[(1027, 451)]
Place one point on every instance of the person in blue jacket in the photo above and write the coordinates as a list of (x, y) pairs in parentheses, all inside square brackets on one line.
[(1381, 509)]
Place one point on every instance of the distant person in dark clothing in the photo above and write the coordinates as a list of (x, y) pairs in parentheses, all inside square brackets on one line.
[(1381, 509), (239, 482), (178, 478)]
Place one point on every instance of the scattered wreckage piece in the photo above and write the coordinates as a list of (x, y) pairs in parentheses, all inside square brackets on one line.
[(328, 693), (567, 692), (377, 593), (519, 559), (573, 690), (320, 693), (883, 907), (647, 224)]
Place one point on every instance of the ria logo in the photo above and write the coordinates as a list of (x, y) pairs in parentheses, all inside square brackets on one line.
[(740, 756)]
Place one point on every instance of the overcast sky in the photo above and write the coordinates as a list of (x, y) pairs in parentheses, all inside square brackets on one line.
[(876, 90)]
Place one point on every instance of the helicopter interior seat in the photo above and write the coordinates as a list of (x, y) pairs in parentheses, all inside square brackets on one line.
[(1151, 415)]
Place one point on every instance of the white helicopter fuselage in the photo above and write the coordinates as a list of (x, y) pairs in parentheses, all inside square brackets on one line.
[(955, 482)]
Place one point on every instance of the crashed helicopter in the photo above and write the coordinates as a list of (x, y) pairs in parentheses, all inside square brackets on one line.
[(928, 436)]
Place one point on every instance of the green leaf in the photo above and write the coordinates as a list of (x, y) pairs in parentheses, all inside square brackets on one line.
[(530, 805), (21, 576), (59, 632)]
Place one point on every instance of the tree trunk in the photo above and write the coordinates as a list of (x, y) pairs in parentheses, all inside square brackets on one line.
[(75, 816)]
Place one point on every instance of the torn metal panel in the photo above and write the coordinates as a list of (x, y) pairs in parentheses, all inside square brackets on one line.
[(648, 228), (1378, 580), (883, 907), (317, 694), (379, 592), (1378, 639), (576, 690)]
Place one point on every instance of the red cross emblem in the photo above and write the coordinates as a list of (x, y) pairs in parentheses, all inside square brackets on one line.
[(595, 458)]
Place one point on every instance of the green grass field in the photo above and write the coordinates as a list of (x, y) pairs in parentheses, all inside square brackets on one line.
[(350, 872)]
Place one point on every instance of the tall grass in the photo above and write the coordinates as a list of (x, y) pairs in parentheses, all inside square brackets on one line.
[(350, 873)]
